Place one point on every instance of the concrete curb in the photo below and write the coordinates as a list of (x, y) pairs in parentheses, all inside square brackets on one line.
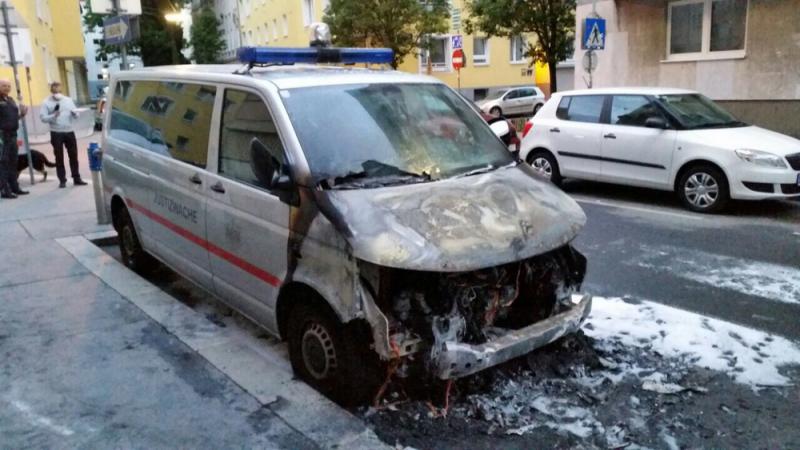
[(303, 408)]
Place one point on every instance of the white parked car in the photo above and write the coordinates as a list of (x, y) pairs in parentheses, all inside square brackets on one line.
[(667, 139), (514, 101)]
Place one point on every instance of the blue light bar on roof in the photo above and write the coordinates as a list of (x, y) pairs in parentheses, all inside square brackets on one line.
[(314, 55)]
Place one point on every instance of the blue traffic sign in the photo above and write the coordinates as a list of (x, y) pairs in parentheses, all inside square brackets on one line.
[(117, 30), (457, 41), (594, 34)]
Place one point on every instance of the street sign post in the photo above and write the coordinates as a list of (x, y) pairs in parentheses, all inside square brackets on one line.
[(594, 33), (458, 62), (118, 30)]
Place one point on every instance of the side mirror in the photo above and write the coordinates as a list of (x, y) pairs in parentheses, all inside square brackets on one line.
[(271, 175), (655, 122), (500, 128)]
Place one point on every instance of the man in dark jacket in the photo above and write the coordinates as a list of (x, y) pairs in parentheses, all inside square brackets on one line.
[(10, 114)]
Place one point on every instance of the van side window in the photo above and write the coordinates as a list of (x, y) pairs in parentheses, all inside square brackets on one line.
[(633, 110), (585, 108), (245, 117), (153, 115)]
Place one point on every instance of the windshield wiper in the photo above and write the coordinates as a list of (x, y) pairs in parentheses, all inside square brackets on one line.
[(376, 174), (484, 169), (729, 124)]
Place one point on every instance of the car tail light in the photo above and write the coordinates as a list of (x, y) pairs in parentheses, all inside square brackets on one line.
[(528, 126)]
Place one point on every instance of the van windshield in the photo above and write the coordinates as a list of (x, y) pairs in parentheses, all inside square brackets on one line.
[(697, 111), (370, 135)]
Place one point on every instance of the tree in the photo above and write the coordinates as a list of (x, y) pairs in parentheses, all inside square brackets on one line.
[(396, 24), (205, 37), (553, 22), (160, 41)]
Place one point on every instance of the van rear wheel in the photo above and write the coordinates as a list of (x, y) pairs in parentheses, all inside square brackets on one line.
[(334, 358), (133, 255)]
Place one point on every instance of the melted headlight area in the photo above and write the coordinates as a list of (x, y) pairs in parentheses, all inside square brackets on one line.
[(425, 310)]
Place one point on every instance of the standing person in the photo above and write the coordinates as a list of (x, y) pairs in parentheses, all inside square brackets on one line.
[(59, 111), (10, 114)]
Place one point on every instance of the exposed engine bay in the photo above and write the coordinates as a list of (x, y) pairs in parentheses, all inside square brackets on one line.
[(428, 311)]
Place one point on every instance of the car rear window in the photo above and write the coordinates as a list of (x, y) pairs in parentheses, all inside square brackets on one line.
[(581, 108)]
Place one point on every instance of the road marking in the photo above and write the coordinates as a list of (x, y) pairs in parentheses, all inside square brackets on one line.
[(581, 199), (40, 420)]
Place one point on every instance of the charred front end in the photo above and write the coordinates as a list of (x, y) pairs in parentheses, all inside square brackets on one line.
[(453, 324)]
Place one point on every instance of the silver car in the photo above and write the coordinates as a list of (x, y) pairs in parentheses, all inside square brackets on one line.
[(526, 100), (368, 217)]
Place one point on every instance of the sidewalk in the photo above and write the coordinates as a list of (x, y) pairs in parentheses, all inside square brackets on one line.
[(94, 356)]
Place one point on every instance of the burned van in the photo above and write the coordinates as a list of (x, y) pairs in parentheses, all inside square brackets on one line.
[(369, 217)]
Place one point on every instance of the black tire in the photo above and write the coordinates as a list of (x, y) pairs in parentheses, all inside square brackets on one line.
[(133, 255), (715, 194), (554, 174), (537, 108), (333, 358), (496, 111)]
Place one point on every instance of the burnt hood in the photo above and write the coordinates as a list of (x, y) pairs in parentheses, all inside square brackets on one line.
[(456, 224)]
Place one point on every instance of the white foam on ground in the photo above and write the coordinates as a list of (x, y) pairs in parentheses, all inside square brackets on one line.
[(760, 279), (747, 355)]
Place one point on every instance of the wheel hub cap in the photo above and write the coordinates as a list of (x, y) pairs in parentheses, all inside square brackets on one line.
[(702, 190), (319, 355), (542, 166)]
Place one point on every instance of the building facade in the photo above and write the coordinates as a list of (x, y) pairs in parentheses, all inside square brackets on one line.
[(491, 63), (54, 52), (745, 54), (100, 69)]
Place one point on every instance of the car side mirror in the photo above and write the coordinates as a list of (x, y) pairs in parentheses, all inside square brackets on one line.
[(500, 128), (271, 174), (655, 122)]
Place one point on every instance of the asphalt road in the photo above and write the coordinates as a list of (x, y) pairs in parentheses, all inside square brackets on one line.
[(742, 266)]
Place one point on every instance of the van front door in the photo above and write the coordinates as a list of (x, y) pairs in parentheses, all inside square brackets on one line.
[(247, 224), (180, 116)]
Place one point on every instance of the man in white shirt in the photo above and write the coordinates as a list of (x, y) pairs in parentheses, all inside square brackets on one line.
[(59, 111)]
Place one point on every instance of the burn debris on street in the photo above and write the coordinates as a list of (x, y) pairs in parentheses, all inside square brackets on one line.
[(578, 393)]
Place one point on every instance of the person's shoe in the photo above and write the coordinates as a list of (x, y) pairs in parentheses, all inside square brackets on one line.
[(62, 184), (79, 182), (21, 192), (8, 194)]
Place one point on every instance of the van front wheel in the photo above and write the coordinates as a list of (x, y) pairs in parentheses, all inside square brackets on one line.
[(327, 355)]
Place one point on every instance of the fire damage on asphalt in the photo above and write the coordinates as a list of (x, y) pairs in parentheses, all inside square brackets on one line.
[(613, 384)]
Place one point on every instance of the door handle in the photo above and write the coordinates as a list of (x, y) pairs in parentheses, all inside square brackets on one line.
[(610, 136), (555, 130), (196, 179), (218, 187)]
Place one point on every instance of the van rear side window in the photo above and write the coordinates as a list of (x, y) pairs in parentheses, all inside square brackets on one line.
[(152, 115)]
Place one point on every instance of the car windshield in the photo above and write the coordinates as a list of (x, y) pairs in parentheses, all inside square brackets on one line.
[(369, 135), (697, 111)]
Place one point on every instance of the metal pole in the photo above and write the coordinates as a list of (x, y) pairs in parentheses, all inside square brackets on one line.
[(124, 46), (13, 57)]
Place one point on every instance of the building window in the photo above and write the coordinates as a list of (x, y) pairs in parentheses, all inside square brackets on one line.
[(182, 143), (437, 52), (189, 115), (308, 12), (480, 50), (519, 49), (706, 29), (157, 105)]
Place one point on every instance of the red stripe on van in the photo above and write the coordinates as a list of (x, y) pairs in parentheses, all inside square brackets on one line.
[(219, 251)]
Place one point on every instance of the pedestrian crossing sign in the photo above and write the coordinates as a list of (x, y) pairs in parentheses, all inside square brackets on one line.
[(594, 33)]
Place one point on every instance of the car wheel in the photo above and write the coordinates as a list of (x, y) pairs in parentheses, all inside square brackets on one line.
[(546, 165), (133, 255), (537, 108), (496, 111), (333, 358), (704, 189)]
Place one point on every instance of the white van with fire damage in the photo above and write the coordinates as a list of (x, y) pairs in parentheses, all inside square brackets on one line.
[(366, 216)]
